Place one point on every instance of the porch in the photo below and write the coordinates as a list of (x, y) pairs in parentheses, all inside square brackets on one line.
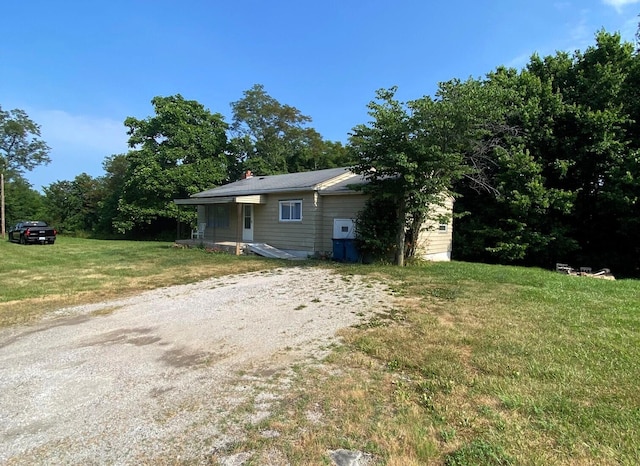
[(230, 247)]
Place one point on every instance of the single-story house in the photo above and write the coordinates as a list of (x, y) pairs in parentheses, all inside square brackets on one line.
[(300, 213)]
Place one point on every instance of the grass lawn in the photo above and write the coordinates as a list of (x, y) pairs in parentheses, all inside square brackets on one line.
[(479, 365), (36, 279), (476, 365)]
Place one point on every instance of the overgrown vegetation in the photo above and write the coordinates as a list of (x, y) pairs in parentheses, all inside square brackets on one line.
[(543, 161), (568, 185), (376, 230)]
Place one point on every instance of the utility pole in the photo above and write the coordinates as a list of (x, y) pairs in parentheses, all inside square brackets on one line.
[(2, 203)]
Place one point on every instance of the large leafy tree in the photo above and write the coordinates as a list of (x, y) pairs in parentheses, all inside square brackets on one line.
[(590, 147), (179, 151), (25, 202), (73, 206), (21, 148), (270, 137), (524, 217), (412, 153), (116, 168), (606, 151), (570, 192)]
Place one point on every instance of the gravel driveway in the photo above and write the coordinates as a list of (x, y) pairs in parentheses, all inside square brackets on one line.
[(155, 378)]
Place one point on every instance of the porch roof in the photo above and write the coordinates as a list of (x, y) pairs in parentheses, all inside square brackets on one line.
[(253, 199)]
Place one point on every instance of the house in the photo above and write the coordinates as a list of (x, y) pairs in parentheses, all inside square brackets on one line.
[(300, 213)]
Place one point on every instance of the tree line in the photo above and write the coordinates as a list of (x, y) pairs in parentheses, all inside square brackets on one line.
[(544, 162), (182, 149)]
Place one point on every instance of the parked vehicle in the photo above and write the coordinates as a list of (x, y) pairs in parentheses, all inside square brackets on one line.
[(32, 232)]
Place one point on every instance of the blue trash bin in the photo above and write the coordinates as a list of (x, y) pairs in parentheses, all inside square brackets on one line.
[(345, 250), (339, 252), (351, 251)]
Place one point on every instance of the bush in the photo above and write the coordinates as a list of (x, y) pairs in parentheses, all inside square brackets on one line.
[(376, 229)]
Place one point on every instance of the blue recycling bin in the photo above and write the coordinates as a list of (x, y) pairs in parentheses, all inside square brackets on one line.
[(351, 251), (345, 250), (338, 250)]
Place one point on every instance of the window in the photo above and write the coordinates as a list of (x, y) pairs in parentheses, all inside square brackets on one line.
[(290, 211), (218, 216), (443, 227)]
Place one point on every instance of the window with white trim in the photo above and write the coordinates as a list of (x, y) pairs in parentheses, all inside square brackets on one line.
[(443, 227), (290, 211)]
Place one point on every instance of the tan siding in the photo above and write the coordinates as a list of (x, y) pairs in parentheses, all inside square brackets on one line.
[(432, 241), (343, 206), (315, 231), (297, 236)]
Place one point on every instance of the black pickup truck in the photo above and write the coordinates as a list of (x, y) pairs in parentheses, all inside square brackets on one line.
[(32, 232)]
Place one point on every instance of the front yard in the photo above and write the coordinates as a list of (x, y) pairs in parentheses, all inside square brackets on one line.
[(475, 364)]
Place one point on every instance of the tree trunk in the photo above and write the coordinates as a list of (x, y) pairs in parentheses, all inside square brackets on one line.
[(411, 236)]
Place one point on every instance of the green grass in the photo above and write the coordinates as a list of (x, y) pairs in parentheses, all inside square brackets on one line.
[(479, 365), (35, 279), (475, 364)]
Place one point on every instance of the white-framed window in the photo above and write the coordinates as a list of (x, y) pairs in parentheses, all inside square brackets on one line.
[(290, 211), (443, 227)]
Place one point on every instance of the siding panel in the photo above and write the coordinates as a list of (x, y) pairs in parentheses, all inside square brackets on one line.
[(295, 236), (343, 206), (435, 244)]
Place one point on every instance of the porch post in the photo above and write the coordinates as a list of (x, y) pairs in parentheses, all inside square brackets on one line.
[(239, 228)]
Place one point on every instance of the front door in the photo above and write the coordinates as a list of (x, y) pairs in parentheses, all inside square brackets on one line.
[(247, 222)]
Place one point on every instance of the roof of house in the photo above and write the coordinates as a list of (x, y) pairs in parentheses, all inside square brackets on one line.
[(331, 179), (345, 186)]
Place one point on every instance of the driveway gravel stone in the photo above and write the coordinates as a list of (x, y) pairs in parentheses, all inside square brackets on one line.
[(155, 378)]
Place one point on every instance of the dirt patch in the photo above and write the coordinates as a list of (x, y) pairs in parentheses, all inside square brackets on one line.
[(158, 377)]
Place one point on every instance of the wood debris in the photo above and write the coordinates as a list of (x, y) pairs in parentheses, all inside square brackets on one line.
[(584, 272)]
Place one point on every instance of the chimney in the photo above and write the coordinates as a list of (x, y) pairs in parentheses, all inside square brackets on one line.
[(247, 175)]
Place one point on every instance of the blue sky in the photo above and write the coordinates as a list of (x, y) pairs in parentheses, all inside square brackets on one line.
[(79, 68)]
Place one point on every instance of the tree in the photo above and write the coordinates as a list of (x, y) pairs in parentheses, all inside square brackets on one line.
[(412, 153), (271, 138), (26, 202), (20, 149), (73, 205), (116, 168), (569, 189), (178, 152), (524, 219)]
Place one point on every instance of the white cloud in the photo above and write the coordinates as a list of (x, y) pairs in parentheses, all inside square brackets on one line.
[(520, 61), (81, 132), (580, 33), (629, 28), (619, 4), (79, 144)]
